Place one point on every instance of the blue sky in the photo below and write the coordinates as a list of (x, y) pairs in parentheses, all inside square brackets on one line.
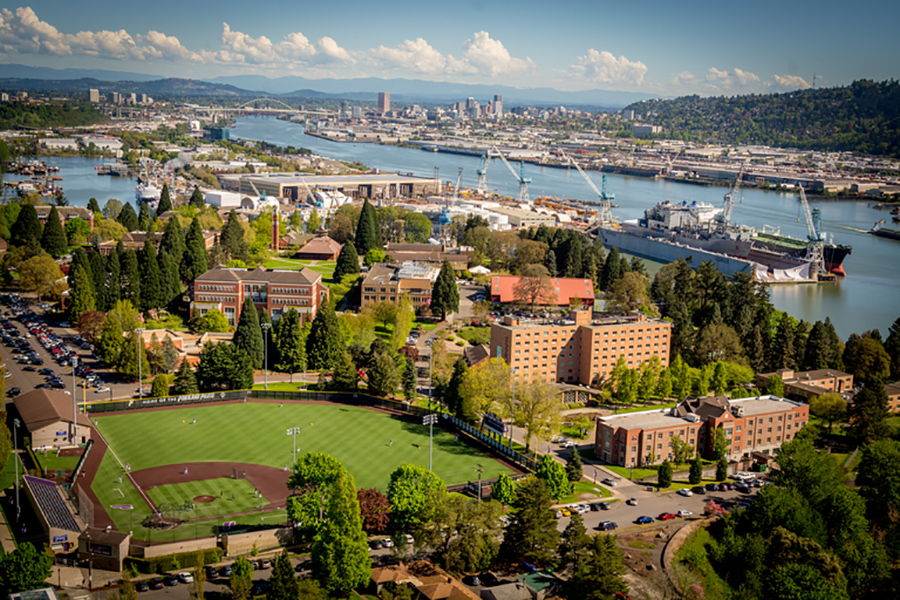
[(667, 48)]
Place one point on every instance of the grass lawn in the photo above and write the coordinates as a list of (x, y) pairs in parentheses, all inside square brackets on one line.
[(51, 462), (286, 263), (281, 386), (475, 335), (639, 472), (691, 565), (424, 325), (254, 433), (585, 487), (8, 477), (622, 411), (180, 494)]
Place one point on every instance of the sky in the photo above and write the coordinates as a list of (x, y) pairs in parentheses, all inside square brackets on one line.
[(658, 47)]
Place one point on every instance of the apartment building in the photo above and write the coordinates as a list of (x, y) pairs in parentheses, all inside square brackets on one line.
[(563, 291), (272, 290), (391, 282), (66, 214), (579, 350), (134, 240), (761, 424)]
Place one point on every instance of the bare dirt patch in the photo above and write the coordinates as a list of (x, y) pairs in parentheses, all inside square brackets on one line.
[(203, 499)]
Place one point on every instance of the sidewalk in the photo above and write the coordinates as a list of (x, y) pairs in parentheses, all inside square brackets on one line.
[(6, 536)]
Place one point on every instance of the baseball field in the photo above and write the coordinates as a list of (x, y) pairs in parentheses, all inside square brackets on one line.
[(184, 459)]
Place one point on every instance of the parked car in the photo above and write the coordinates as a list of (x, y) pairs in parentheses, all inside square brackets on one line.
[(142, 585), (488, 579), (684, 513), (685, 492), (14, 391), (667, 516), (472, 580), (609, 481), (631, 502), (712, 487), (185, 577), (644, 520), (742, 488), (156, 583), (211, 573), (225, 571), (699, 490), (101, 390), (170, 580), (607, 526)]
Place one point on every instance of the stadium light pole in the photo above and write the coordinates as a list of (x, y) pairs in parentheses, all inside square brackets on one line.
[(266, 327), (140, 334), (430, 371), (430, 420), (512, 404), (16, 458), (294, 431)]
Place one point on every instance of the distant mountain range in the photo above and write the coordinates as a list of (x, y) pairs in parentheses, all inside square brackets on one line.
[(14, 76)]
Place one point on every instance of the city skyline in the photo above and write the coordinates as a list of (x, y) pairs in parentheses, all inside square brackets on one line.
[(663, 49)]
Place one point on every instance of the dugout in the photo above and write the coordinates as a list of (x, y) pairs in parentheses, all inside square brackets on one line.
[(58, 520), (104, 548)]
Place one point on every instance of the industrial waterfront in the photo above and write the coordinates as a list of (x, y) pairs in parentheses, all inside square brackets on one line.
[(866, 299)]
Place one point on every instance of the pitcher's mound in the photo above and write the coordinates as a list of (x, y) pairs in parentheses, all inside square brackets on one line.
[(204, 499)]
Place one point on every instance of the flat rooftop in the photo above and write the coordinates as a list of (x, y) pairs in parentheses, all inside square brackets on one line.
[(763, 405), (336, 180), (647, 419)]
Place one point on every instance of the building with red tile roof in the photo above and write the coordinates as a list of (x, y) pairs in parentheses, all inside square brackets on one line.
[(319, 248), (566, 290)]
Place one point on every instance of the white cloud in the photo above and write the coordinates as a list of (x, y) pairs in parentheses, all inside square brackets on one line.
[(604, 67), (735, 80), (791, 82), (482, 56), (295, 47)]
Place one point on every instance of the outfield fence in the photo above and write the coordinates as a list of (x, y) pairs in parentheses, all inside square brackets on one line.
[(450, 422)]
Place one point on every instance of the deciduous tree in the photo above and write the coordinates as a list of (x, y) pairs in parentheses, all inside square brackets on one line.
[(375, 510), (830, 407), (415, 495), (40, 274), (534, 286), (537, 410), (553, 474), (24, 569), (504, 490)]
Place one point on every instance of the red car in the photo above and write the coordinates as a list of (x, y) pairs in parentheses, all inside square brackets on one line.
[(666, 517)]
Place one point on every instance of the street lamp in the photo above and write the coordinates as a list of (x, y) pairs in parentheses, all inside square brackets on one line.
[(430, 420), (512, 404), (90, 560), (266, 327), (16, 424), (74, 403), (479, 468), (140, 336), (294, 431)]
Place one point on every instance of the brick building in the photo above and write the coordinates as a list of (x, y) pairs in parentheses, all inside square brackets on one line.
[(272, 290), (66, 214), (758, 424), (583, 349), (803, 385), (391, 282), (134, 240)]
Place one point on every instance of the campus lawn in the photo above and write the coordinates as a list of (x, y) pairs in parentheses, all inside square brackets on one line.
[(475, 335), (585, 487), (286, 263)]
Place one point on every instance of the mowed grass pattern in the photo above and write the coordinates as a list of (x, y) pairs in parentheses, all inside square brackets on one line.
[(255, 433), (231, 496)]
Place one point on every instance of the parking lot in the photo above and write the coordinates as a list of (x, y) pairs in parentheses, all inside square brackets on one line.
[(39, 353)]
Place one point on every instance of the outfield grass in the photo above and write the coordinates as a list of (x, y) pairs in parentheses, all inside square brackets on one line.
[(255, 433)]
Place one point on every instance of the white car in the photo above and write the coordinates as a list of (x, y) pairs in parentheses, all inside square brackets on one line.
[(101, 390), (684, 513), (685, 492), (185, 577)]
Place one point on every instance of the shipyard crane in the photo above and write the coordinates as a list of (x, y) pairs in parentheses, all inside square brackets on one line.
[(605, 213), (444, 217), (520, 177), (481, 187), (731, 198), (606, 195), (815, 250)]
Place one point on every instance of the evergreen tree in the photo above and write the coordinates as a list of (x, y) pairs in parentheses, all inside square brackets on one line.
[(722, 469), (504, 490), (81, 295), (194, 262), (868, 413), (531, 535), (314, 222), (383, 378), (151, 292), (409, 380), (720, 379), (345, 377), (664, 475), (172, 241), (248, 336), (290, 343), (283, 583), (452, 397), (223, 367), (112, 287), (128, 218), (171, 278), (197, 198), (837, 347), (26, 231), (550, 262), (324, 343), (93, 205), (783, 353), (53, 239), (695, 476), (892, 347), (340, 553), (232, 239), (664, 385), (612, 270), (445, 294), (368, 234), (347, 262), (165, 201), (145, 217), (130, 278), (574, 467)]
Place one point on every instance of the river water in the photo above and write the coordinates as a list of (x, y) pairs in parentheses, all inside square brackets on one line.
[(868, 298)]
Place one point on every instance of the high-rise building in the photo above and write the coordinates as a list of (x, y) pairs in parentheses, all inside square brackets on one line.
[(384, 102), (94, 95), (498, 105)]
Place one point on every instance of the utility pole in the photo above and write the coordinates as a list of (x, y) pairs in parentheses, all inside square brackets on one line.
[(479, 468), (16, 458), (140, 339), (512, 405), (430, 420), (265, 328), (294, 431)]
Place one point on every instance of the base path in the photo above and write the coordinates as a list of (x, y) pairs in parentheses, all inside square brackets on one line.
[(270, 481)]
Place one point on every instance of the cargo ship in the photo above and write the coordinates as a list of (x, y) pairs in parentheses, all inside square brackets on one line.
[(878, 230)]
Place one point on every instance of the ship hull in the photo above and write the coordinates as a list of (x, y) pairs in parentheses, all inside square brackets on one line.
[(665, 251), (833, 254)]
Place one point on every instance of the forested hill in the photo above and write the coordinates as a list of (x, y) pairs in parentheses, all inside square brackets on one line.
[(863, 117), (52, 114)]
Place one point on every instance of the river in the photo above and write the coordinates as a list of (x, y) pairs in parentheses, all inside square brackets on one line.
[(868, 298)]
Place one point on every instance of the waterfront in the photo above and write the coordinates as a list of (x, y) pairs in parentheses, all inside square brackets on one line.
[(80, 181), (866, 299)]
